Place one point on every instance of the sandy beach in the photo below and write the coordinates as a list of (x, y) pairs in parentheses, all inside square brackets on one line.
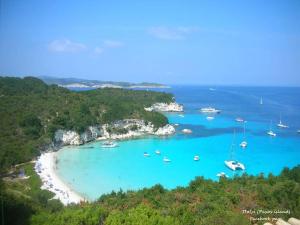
[(45, 168)]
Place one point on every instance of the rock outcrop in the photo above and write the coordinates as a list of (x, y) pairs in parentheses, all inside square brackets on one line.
[(165, 107), (123, 129)]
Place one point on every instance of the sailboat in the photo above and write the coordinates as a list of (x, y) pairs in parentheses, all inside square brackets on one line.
[(244, 142), (233, 164), (261, 101), (281, 125), (270, 132)]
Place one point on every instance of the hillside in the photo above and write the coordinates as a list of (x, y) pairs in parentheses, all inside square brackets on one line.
[(31, 111), (92, 84)]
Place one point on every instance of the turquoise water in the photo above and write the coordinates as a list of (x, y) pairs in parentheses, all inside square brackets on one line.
[(91, 170)]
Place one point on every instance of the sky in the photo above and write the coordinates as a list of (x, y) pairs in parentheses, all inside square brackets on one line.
[(232, 42)]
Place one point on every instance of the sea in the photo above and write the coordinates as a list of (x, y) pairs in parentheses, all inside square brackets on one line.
[(92, 170)]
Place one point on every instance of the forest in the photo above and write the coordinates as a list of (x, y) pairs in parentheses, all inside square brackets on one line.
[(31, 111)]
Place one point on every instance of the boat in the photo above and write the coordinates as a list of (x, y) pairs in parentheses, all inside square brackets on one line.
[(187, 131), (196, 158), (109, 144), (239, 119), (210, 118), (233, 164), (222, 174), (157, 152), (212, 89), (298, 131), (261, 101), (244, 143), (181, 115), (281, 125), (210, 110), (270, 132), (166, 159), (146, 154)]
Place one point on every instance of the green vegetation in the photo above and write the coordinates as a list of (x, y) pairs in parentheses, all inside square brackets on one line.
[(202, 202), (31, 111)]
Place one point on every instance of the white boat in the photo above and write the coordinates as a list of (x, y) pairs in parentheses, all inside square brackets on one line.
[(187, 131), (222, 174), (261, 101), (109, 144), (244, 143), (233, 164), (166, 159), (210, 118), (270, 132), (210, 110), (239, 119), (281, 125), (146, 154), (196, 158), (157, 152), (181, 115)]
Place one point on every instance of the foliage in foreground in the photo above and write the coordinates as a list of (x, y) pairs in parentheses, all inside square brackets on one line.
[(31, 111), (202, 202)]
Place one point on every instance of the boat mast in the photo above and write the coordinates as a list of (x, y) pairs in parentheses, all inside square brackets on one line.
[(232, 146)]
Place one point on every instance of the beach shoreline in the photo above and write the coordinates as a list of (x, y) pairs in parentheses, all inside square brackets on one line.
[(45, 168)]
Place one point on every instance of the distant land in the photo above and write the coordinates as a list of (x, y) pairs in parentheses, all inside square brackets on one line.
[(93, 84)]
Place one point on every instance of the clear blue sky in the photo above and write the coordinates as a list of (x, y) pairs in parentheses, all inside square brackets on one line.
[(254, 42)]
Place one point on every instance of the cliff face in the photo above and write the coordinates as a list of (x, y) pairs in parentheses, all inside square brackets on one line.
[(165, 107), (122, 129)]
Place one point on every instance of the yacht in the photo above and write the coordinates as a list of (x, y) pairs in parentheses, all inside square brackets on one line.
[(281, 125), (109, 144), (222, 174), (270, 132), (244, 143), (157, 152), (233, 164), (239, 119), (166, 159), (196, 158), (181, 115), (146, 154), (210, 110), (210, 117)]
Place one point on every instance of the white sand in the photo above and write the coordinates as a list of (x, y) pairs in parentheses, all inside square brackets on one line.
[(45, 168)]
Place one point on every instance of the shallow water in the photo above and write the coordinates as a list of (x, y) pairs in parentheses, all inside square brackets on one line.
[(91, 170)]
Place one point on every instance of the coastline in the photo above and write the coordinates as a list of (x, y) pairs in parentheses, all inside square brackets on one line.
[(45, 168)]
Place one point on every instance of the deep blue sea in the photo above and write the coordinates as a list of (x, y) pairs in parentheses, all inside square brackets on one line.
[(92, 171)]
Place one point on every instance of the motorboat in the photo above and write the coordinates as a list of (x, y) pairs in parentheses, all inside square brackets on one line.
[(109, 144), (210, 110), (196, 158), (146, 154), (239, 119), (210, 117), (157, 152), (234, 165), (166, 160), (187, 131), (222, 174)]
